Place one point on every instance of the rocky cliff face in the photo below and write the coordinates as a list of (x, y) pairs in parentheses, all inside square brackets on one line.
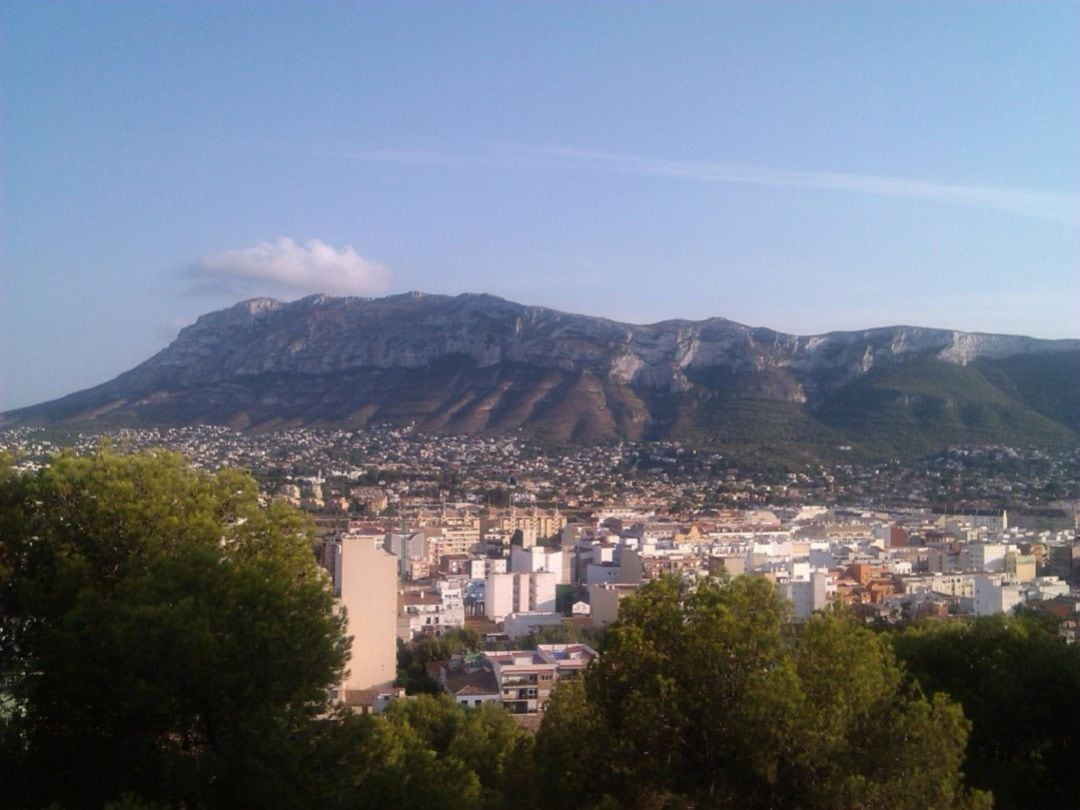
[(477, 363), (320, 335)]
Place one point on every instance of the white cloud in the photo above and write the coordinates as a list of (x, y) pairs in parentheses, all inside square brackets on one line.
[(1051, 205), (283, 268), (1055, 206)]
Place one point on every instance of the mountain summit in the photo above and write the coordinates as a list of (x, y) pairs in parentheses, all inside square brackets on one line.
[(478, 364)]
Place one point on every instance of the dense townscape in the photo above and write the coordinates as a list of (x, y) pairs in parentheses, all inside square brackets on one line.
[(971, 530), (539, 406), (411, 465), (483, 582)]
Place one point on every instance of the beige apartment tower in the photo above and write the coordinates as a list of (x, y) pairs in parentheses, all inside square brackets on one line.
[(365, 579)]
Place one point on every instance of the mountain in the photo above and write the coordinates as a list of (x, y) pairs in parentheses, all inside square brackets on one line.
[(478, 364)]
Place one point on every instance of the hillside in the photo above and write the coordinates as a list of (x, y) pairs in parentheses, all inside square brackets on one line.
[(478, 364)]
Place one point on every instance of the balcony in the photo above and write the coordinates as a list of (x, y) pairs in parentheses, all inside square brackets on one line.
[(520, 706), (519, 680), (519, 694)]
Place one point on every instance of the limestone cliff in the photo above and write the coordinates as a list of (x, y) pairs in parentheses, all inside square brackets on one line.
[(476, 363)]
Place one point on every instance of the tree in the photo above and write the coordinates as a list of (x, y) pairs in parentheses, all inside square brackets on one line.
[(572, 753), (870, 737), (399, 769), (707, 696), (162, 637), (482, 747), (412, 657), (1018, 683)]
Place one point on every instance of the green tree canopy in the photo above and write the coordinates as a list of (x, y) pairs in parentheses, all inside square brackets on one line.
[(1019, 684), (162, 635), (413, 656), (707, 697), (484, 742)]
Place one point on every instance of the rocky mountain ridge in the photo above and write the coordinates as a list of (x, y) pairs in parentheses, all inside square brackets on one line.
[(320, 334), (477, 363)]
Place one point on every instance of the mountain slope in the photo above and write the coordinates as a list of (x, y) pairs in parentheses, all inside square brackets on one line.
[(478, 364)]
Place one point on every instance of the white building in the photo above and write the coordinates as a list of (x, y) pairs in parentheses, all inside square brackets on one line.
[(517, 625), (988, 557), (994, 596), (599, 573), (1045, 588), (431, 611), (536, 559), (960, 586), (809, 594), (518, 593)]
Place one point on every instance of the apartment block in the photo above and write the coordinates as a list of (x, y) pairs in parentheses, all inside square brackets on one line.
[(365, 578), (518, 593)]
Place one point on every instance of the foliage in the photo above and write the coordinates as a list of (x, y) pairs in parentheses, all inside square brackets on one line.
[(921, 405), (167, 641), (484, 743), (162, 637), (705, 696), (573, 748), (1018, 684), (413, 656)]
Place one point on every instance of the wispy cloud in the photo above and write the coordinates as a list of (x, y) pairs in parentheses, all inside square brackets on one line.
[(1040, 204), (283, 268)]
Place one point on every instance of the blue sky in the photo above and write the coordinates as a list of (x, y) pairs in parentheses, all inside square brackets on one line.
[(802, 166)]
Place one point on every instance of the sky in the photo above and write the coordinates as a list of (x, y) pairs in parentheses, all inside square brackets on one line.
[(805, 166)]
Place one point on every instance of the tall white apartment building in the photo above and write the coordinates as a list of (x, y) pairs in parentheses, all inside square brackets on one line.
[(538, 558), (518, 593), (984, 557)]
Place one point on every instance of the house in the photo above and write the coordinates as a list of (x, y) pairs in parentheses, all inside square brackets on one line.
[(431, 610), (469, 678), (525, 679), (519, 680), (571, 660)]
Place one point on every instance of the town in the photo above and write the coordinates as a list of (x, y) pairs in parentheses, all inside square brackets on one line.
[(535, 547)]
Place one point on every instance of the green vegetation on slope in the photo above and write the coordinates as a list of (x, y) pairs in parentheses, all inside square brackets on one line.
[(1046, 383), (920, 406)]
